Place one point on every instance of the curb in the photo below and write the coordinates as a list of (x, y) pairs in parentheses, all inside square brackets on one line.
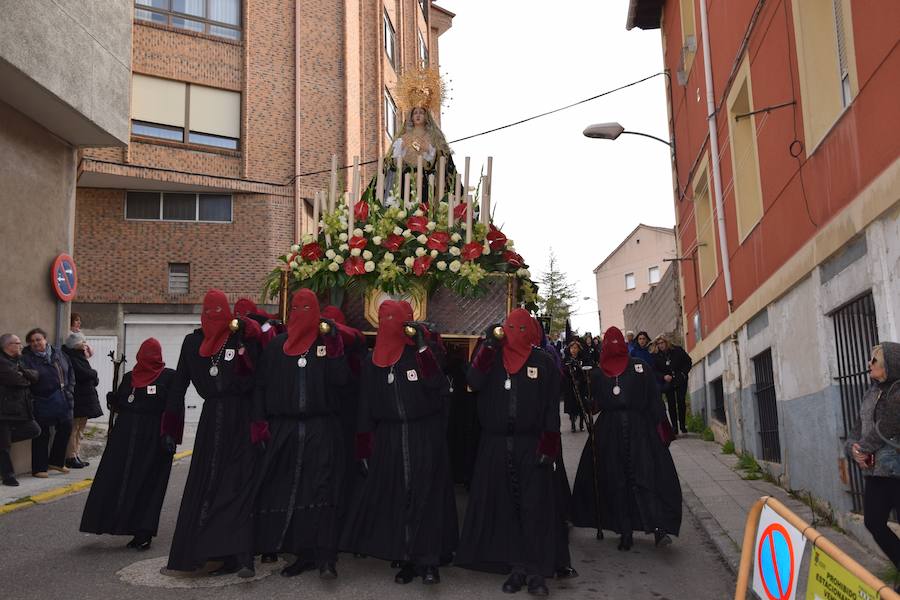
[(728, 550), (63, 490)]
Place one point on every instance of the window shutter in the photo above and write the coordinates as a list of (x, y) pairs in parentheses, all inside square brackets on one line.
[(157, 100), (215, 111), (179, 278)]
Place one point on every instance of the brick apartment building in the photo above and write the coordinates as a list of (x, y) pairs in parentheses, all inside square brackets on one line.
[(229, 100), (790, 209)]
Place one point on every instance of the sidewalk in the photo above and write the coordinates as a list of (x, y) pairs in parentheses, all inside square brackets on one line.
[(719, 497), (32, 489)]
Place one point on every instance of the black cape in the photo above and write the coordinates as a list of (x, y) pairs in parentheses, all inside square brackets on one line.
[(300, 473), (127, 494), (574, 379), (214, 518), (513, 517), (348, 398), (639, 488), (463, 430), (407, 507)]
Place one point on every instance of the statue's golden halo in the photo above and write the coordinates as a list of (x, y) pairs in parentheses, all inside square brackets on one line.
[(420, 88)]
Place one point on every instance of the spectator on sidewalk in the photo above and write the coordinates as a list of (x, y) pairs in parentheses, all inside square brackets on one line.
[(672, 365), (575, 385), (17, 422), (53, 395), (75, 327), (874, 443), (87, 403), (629, 339), (641, 348)]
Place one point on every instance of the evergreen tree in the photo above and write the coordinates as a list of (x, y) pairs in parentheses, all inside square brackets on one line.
[(556, 295)]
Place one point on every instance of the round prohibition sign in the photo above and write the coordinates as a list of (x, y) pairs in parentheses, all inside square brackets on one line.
[(64, 277), (775, 562)]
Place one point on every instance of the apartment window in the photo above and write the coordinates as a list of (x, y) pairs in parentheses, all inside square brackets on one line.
[(767, 406), (718, 396), (423, 4), (688, 34), (390, 115), (629, 281), (179, 278), (744, 154), (166, 109), (653, 275), (826, 61), (423, 50), (706, 240), (220, 18), (390, 40), (178, 206)]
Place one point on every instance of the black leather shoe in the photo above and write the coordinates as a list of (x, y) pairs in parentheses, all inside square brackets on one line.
[(11, 481), (431, 576), (661, 538), (74, 463), (683, 430), (537, 586), (513, 583), (270, 558), (84, 463), (228, 567), (297, 567), (328, 571), (566, 573), (139, 542), (397, 564), (405, 575)]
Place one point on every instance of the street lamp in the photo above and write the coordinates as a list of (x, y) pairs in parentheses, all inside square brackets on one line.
[(611, 131)]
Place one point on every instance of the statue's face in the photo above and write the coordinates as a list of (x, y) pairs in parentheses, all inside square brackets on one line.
[(418, 116)]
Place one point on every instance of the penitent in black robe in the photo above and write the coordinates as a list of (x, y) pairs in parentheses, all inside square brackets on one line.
[(407, 508), (215, 515), (300, 474), (348, 400), (127, 494), (638, 485), (513, 517)]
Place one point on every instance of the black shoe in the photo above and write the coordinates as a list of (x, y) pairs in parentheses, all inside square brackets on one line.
[(246, 568), (431, 576), (11, 481), (406, 574), (74, 463), (84, 463), (328, 571), (537, 586), (139, 542), (228, 567), (582, 426), (513, 583), (661, 538), (297, 567), (358, 555), (573, 427), (269, 558), (626, 542), (683, 430), (566, 573), (397, 564)]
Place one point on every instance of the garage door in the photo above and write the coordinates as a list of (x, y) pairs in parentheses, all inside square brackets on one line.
[(170, 331), (102, 345)]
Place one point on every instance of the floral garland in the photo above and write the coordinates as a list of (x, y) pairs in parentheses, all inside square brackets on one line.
[(395, 249)]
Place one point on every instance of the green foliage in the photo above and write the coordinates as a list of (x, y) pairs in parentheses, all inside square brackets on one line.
[(695, 423), (707, 435), (557, 295), (751, 468), (728, 447)]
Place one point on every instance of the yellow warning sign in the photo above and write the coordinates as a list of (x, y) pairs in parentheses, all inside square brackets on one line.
[(828, 580)]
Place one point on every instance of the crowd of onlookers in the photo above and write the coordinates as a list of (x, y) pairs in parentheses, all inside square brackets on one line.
[(47, 395), (669, 362)]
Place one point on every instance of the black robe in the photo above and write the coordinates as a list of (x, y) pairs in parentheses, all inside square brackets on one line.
[(638, 485), (463, 430), (215, 515), (407, 507), (127, 494), (300, 474), (575, 379), (348, 399), (513, 517)]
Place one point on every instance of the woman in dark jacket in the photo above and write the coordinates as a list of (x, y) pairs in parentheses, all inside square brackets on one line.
[(575, 385), (53, 399), (87, 403)]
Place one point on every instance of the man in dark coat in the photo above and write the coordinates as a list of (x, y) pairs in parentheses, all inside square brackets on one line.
[(296, 408), (17, 422), (407, 509), (87, 403), (512, 520), (130, 485), (575, 385), (215, 515), (672, 365), (638, 486)]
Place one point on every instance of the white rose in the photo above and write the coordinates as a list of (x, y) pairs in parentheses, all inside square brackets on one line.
[(454, 266), (407, 233), (418, 213), (398, 231), (358, 232), (486, 249), (338, 259), (454, 250), (343, 247), (293, 264), (388, 257), (329, 253), (370, 266), (441, 265), (368, 228), (420, 251), (355, 252), (455, 237), (333, 267), (343, 237), (295, 248), (409, 261), (343, 223), (422, 238), (367, 254), (431, 225), (376, 240), (434, 253), (401, 214)]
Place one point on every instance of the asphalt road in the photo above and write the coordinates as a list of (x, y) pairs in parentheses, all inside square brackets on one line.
[(42, 555)]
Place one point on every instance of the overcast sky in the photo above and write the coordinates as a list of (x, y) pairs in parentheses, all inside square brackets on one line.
[(506, 60)]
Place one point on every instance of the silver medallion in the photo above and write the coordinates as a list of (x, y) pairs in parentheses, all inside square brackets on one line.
[(617, 390), (213, 371), (390, 378), (507, 385), (301, 362), (130, 398)]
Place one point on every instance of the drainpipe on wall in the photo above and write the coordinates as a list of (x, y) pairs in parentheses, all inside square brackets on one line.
[(299, 207)]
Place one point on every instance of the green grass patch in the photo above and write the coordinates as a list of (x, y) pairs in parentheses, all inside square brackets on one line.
[(695, 423), (728, 447), (708, 435)]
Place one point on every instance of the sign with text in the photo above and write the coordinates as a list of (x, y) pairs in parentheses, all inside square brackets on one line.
[(777, 555), (828, 580)]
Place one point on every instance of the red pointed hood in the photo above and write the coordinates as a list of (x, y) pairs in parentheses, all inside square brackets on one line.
[(335, 314), (214, 321), (391, 339), (350, 334), (519, 328), (149, 363), (614, 357), (303, 322)]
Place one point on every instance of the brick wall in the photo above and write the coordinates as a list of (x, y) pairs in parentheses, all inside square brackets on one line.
[(659, 310)]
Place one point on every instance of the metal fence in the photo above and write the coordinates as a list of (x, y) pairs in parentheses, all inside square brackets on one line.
[(718, 393), (767, 406), (855, 332)]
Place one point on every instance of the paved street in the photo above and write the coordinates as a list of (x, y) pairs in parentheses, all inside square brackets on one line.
[(44, 555)]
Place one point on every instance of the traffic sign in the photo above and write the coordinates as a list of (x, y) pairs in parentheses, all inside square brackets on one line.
[(64, 277), (778, 553)]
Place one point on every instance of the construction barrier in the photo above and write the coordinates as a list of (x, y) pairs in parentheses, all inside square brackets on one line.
[(774, 544)]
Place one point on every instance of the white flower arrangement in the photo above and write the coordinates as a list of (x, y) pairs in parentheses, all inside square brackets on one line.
[(388, 257), (368, 228), (367, 254), (422, 238), (343, 236), (293, 264), (339, 259), (369, 266), (333, 267), (420, 251), (358, 232), (441, 265), (344, 247), (407, 233), (431, 225), (455, 238), (295, 248), (401, 214), (409, 261), (454, 250), (376, 240), (329, 254), (398, 230), (355, 252), (434, 253), (418, 213), (454, 266)]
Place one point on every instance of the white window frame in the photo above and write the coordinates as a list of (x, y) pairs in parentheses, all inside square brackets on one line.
[(169, 280), (390, 114), (650, 272), (633, 282), (390, 40)]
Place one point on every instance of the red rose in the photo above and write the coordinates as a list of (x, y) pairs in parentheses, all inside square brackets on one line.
[(311, 251), (421, 265), (459, 212), (417, 224), (513, 259), (393, 242), (354, 265), (439, 240), (357, 242), (496, 239), (471, 251), (361, 211)]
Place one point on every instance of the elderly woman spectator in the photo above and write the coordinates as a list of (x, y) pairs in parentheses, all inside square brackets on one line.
[(16, 415), (53, 394), (75, 327), (87, 403), (874, 444)]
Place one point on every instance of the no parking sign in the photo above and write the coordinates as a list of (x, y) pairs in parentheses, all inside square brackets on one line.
[(777, 555)]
